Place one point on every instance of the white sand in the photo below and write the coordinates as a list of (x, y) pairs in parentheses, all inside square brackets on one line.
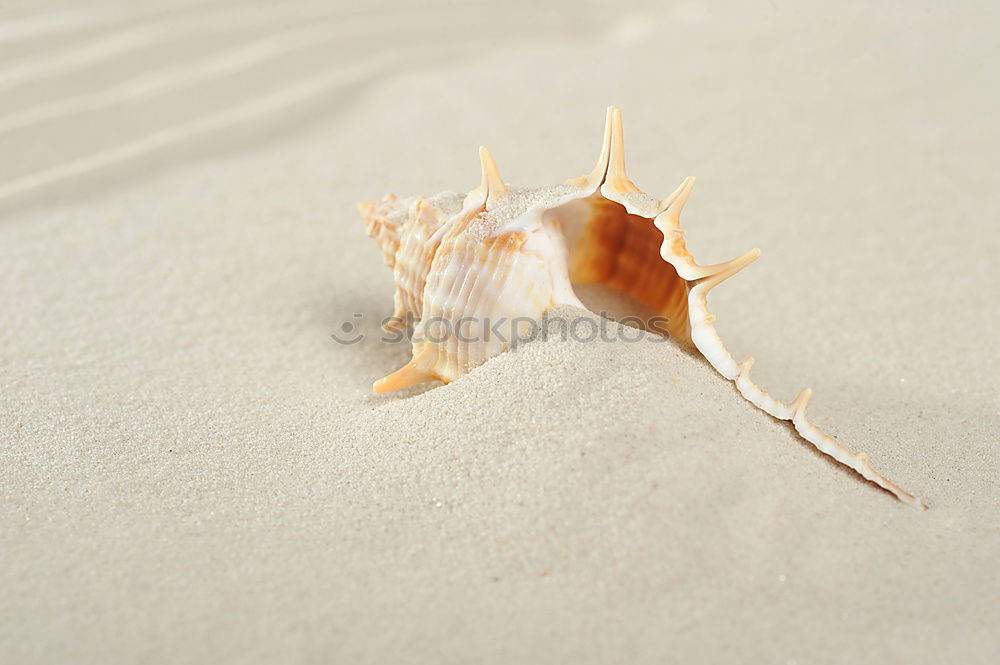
[(192, 471)]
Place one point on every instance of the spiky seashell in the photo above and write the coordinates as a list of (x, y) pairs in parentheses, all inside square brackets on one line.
[(506, 255)]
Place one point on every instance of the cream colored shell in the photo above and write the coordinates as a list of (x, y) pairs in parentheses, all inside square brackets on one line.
[(506, 254)]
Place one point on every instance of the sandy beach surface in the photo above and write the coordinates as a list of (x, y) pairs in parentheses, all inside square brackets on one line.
[(193, 471)]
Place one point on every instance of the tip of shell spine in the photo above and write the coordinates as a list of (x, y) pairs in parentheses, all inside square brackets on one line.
[(596, 177), (674, 204), (721, 272), (616, 179), (610, 168), (404, 377), (492, 184)]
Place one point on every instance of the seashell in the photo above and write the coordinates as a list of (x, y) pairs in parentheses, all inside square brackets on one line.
[(500, 257)]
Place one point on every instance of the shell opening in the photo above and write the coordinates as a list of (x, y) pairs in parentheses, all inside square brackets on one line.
[(612, 248)]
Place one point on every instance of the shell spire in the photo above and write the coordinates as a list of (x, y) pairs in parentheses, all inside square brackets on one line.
[(475, 269)]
